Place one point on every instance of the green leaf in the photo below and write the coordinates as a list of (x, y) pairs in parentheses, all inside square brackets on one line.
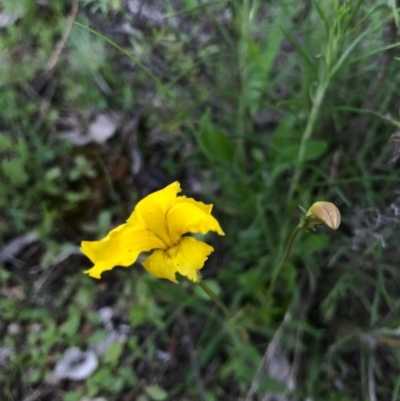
[(32, 315), (14, 170), (213, 142), (97, 336), (314, 243), (5, 143), (73, 395), (75, 197), (128, 375), (287, 148), (315, 148), (34, 376), (52, 174), (270, 384), (138, 315), (156, 393), (71, 325), (113, 353)]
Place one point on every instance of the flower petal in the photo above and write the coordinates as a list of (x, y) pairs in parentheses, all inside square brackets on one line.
[(160, 265), (120, 247), (324, 213), (201, 205), (188, 215), (152, 210), (186, 258), (189, 256)]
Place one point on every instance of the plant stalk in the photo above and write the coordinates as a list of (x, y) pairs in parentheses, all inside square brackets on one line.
[(279, 266), (214, 297), (318, 100)]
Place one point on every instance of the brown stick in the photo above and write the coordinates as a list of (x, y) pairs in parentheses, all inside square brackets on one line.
[(61, 43)]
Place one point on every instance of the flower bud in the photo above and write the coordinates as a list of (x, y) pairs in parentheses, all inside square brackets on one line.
[(323, 213)]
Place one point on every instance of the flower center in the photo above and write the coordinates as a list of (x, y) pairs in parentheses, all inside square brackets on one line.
[(173, 251)]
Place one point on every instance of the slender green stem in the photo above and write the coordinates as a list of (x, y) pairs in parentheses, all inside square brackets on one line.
[(278, 268), (166, 91), (195, 8), (319, 97), (243, 65), (214, 297)]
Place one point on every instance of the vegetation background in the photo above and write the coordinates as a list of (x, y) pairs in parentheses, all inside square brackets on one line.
[(254, 106)]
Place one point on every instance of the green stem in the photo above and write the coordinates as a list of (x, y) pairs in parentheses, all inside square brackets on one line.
[(243, 64), (278, 268), (214, 297), (318, 100), (166, 91)]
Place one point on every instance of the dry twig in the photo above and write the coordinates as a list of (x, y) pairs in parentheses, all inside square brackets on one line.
[(61, 43)]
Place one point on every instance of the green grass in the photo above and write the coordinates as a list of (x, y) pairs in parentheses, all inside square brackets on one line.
[(269, 105)]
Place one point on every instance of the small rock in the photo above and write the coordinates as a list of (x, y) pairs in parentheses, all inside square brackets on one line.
[(93, 399), (14, 329), (102, 128), (7, 19), (106, 314), (35, 327), (146, 11), (5, 355), (76, 365)]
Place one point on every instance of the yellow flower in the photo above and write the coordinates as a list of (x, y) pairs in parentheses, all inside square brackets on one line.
[(323, 213), (159, 222)]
